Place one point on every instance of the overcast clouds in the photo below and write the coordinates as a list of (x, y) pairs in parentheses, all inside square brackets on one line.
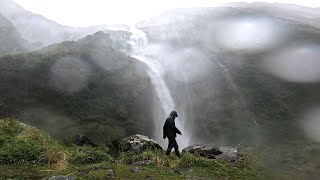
[(96, 12)]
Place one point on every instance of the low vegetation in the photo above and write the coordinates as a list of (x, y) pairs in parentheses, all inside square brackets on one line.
[(27, 152)]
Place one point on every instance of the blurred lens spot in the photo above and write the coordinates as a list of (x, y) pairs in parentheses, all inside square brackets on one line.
[(296, 64), (249, 34), (311, 124)]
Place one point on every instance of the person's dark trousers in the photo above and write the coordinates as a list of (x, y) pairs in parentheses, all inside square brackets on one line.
[(173, 144)]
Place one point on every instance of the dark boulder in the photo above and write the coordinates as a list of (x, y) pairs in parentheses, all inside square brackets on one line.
[(212, 152)]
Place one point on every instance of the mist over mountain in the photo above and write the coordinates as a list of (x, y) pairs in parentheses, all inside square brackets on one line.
[(36, 28), (10, 39), (298, 14)]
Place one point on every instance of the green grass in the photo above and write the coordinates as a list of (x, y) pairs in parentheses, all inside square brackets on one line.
[(27, 146), (31, 153), (88, 155)]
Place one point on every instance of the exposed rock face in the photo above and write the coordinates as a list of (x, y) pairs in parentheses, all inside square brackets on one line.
[(139, 143), (120, 40), (212, 152)]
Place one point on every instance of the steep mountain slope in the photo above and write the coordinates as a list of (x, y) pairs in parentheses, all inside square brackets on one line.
[(36, 28), (78, 87), (10, 40)]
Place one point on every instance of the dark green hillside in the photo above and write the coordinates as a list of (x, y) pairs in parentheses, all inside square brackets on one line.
[(77, 87)]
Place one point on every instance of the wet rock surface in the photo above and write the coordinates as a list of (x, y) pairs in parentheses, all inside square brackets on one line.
[(136, 169), (212, 152), (139, 143)]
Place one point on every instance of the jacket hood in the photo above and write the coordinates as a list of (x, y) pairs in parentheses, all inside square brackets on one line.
[(174, 114)]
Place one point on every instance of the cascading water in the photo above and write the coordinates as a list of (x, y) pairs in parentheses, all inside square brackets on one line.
[(139, 42)]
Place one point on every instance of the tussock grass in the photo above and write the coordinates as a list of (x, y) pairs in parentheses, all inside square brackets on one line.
[(29, 152), (26, 145), (23, 145)]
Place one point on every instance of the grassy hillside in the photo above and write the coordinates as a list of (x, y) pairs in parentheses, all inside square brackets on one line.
[(27, 152)]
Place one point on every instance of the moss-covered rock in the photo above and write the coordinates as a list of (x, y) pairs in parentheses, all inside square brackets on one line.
[(139, 143)]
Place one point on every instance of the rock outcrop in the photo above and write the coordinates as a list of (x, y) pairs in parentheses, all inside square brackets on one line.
[(212, 152), (139, 143)]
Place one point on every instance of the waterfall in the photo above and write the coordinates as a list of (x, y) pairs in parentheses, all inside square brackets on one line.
[(139, 42)]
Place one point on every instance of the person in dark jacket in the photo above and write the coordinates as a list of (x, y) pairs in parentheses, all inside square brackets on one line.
[(170, 131)]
